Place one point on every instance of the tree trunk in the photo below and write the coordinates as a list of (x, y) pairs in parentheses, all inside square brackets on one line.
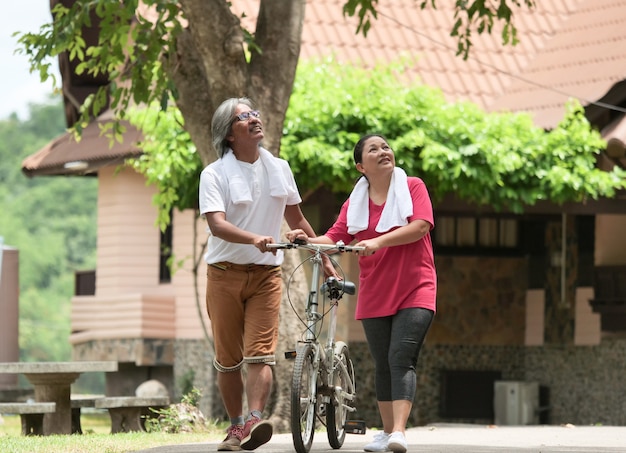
[(290, 331)]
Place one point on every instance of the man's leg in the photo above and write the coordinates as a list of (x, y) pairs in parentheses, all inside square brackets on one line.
[(260, 340), (230, 384), (258, 385)]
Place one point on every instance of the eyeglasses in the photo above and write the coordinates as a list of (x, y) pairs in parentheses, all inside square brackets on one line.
[(246, 115)]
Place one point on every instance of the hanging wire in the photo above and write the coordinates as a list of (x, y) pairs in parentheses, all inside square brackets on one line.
[(501, 71)]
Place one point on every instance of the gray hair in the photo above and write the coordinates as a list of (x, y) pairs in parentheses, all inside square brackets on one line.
[(222, 122)]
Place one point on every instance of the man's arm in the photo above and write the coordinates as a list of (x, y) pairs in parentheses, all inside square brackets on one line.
[(223, 229), (296, 220)]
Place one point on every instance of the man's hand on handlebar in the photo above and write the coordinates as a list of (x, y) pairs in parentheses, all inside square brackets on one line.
[(261, 242)]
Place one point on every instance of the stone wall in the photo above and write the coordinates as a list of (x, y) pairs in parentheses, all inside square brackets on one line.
[(194, 368), (480, 301), (586, 385), (139, 360)]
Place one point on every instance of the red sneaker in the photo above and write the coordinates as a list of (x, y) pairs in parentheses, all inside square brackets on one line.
[(234, 434), (256, 432)]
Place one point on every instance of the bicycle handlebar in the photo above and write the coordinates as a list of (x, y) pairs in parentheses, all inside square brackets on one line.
[(339, 246)]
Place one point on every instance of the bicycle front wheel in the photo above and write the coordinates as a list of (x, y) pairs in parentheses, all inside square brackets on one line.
[(342, 399), (304, 399)]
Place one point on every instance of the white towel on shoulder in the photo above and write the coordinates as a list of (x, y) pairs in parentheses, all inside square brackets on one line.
[(398, 207), (239, 188)]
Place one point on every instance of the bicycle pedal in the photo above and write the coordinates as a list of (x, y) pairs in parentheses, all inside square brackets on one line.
[(290, 355), (355, 427)]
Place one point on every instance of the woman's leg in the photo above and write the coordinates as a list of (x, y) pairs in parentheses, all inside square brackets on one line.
[(378, 334), (409, 328)]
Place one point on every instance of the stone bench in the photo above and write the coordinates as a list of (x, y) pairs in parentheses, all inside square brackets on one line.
[(126, 412), (31, 415), (16, 394), (77, 403)]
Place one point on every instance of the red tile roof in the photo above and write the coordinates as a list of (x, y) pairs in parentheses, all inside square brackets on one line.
[(567, 48), (64, 155)]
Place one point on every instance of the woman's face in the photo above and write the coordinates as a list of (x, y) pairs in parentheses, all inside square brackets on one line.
[(377, 157)]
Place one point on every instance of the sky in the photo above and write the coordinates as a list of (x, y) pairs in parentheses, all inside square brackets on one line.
[(18, 87)]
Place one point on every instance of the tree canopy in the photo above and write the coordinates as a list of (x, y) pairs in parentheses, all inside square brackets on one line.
[(500, 160)]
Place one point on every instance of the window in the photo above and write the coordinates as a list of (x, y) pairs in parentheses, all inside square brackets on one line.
[(476, 235), (165, 254)]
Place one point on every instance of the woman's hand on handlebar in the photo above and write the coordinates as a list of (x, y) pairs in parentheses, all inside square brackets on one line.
[(296, 234), (327, 264), (369, 247)]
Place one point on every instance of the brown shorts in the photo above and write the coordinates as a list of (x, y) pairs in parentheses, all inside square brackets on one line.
[(243, 303)]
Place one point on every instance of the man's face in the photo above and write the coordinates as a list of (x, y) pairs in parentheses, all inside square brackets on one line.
[(246, 126)]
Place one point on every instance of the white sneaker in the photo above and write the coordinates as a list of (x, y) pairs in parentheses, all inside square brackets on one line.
[(397, 442), (379, 443)]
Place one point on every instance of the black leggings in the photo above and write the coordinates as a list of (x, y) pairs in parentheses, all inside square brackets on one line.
[(395, 342)]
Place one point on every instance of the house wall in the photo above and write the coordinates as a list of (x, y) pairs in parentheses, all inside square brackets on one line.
[(128, 240), (480, 301), (587, 329), (610, 246), (131, 317), (504, 332), (191, 317), (487, 319), (129, 301)]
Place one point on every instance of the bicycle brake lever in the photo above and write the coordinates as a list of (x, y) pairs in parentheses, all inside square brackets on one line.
[(299, 241)]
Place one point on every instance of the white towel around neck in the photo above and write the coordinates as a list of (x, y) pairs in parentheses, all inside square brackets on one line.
[(398, 207), (239, 189)]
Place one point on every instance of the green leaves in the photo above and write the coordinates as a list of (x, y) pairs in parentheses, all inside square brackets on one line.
[(365, 9), (476, 15), (502, 160), (137, 67), (170, 161), (52, 222)]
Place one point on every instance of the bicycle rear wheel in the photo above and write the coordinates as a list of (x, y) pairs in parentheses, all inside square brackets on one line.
[(342, 398), (303, 399)]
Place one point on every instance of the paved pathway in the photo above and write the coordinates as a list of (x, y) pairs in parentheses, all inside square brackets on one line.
[(451, 438)]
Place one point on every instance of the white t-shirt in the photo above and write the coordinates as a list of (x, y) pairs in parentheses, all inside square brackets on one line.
[(263, 216)]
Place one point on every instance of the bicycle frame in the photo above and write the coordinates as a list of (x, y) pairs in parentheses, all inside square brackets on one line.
[(323, 377), (324, 356)]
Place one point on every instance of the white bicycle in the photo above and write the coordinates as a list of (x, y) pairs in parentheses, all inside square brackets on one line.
[(323, 385)]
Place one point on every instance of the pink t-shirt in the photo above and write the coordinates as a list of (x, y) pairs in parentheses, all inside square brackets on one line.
[(396, 277)]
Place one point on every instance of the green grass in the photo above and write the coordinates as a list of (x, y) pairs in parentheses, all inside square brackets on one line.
[(96, 438)]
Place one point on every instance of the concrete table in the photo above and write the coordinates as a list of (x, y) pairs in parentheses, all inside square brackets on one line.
[(52, 382)]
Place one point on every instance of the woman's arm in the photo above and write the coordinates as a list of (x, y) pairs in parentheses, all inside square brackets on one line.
[(406, 234)]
